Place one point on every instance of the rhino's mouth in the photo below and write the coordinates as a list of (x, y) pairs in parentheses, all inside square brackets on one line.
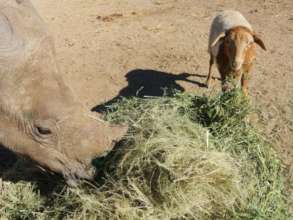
[(75, 174), (72, 170), (76, 171)]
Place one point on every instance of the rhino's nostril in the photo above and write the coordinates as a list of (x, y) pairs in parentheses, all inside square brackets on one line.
[(72, 182)]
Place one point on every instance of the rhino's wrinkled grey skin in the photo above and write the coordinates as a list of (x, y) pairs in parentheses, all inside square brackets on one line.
[(39, 116)]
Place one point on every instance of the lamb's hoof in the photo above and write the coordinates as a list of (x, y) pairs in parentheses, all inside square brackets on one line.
[(245, 93), (208, 84), (226, 87)]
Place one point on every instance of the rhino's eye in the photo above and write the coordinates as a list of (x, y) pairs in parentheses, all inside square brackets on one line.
[(43, 130)]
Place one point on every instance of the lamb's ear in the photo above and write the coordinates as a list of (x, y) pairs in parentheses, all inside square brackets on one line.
[(259, 41), (218, 38)]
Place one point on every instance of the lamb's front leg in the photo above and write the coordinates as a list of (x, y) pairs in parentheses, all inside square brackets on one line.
[(237, 77), (210, 74), (245, 78)]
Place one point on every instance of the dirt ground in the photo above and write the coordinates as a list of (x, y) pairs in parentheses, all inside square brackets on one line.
[(107, 48)]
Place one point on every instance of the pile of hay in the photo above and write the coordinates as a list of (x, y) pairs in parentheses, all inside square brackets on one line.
[(184, 157)]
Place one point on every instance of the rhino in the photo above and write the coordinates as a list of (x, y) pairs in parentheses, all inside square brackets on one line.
[(40, 117)]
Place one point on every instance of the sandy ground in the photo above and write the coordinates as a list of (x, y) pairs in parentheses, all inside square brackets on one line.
[(109, 47)]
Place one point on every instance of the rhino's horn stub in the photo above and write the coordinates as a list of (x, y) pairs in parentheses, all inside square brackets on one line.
[(110, 136), (107, 133), (119, 131), (116, 134)]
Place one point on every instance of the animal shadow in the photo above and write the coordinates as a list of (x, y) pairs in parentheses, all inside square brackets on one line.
[(14, 169), (144, 83)]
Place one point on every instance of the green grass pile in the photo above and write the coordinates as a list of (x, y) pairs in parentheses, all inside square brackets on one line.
[(184, 157), (19, 201)]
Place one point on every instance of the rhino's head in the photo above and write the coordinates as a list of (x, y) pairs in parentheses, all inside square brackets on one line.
[(39, 116)]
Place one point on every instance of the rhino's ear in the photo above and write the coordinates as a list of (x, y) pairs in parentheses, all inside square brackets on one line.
[(217, 39), (10, 44)]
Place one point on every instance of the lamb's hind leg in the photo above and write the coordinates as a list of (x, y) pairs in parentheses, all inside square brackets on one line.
[(210, 74)]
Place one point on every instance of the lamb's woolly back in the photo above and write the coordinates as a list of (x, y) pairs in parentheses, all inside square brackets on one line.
[(224, 21)]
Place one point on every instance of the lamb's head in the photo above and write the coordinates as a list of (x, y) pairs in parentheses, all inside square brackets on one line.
[(39, 116), (239, 46)]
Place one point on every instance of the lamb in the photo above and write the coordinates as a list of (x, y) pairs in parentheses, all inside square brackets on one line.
[(232, 46)]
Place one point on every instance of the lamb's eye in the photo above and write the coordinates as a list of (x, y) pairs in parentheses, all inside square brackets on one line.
[(43, 130)]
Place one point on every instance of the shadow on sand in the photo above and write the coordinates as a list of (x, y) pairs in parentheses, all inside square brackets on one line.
[(145, 83)]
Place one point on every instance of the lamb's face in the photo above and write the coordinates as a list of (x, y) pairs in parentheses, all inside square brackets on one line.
[(238, 41)]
